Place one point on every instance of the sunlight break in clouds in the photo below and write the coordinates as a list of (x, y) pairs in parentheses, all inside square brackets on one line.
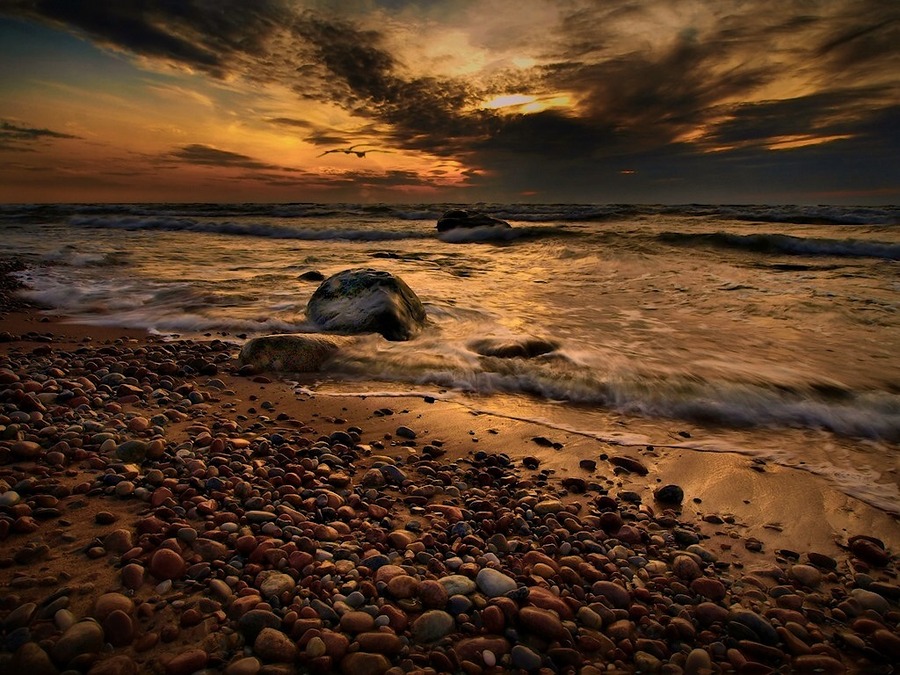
[(559, 95)]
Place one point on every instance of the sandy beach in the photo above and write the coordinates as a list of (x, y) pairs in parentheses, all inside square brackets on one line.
[(164, 511)]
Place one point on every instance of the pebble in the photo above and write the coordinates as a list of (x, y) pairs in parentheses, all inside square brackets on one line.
[(494, 583), (364, 663), (108, 603), (84, 637), (278, 545), (167, 564), (274, 646), (457, 584), (525, 658), (432, 626), (806, 575), (273, 583), (187, 662)]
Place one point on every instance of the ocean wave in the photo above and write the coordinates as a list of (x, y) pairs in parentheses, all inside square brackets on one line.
[(783, 244), (500, 233), (559, 377), (131, 223)]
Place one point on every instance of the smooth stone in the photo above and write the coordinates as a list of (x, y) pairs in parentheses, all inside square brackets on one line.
[(698, 663), (494, 583), (686, 568), (31, 659), (120, 664), (187, 662), (379, 643), (357, 622), (293, 353), (132, 576), (870, 600), (403, 586), (364, 663), (85, 637), (760, 626), (432, 626), (542, 622), (273, 645), (108, 603), (21, 616), (548, 506), (249, 665), (166, 564), (118, 628), (805, 575), (252, 622), (524, 658), (669, 494), (209, 550), (432, 594), (618, 596), (709, 588), (118, 541), (457, 584), (272, 583)]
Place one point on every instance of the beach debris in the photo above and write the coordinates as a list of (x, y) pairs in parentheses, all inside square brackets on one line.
[(365, 300), (457, 218)]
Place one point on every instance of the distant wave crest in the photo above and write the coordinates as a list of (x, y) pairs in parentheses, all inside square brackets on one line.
[(783, 244), (133, 223)]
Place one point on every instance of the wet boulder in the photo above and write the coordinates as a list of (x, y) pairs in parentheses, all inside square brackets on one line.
[(461, 218), (365, 300), (299, 353)]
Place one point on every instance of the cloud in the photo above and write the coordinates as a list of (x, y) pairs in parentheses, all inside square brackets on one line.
[(648, 79), (14, 136), (205, 155)]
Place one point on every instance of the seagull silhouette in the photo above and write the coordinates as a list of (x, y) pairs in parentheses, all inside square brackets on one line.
[(353, 151)]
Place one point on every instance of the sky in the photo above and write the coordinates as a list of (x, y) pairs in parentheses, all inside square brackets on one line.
[(619, 101)]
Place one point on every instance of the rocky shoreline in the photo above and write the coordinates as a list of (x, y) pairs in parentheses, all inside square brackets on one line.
[(160, 513)]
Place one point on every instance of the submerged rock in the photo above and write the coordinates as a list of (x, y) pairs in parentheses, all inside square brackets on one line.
[(301, 353), (461, 218), (524, 346), (365, 300)]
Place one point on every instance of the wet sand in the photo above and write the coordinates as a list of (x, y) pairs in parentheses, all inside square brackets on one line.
[(161, 513)]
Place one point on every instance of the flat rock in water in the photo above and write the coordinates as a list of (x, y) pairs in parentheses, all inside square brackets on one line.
[(365, 300), (300, 353), (461, 218), (524, 347)]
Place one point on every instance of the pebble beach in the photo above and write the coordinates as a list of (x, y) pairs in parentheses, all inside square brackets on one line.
[(165, 510)]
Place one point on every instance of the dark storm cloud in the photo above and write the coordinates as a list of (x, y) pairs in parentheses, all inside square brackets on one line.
[(21, 138), (200, 33), (699, 66), (204, 155)]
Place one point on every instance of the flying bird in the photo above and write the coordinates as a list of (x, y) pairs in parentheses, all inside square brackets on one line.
[(352, 150)]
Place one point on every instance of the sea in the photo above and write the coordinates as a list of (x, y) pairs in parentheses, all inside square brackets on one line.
[(770, 331)]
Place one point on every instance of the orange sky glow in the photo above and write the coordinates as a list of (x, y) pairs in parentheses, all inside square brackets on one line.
[(454, 101)]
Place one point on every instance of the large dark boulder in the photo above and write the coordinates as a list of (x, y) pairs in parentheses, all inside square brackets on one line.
[(367, 301), (461, 218)]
